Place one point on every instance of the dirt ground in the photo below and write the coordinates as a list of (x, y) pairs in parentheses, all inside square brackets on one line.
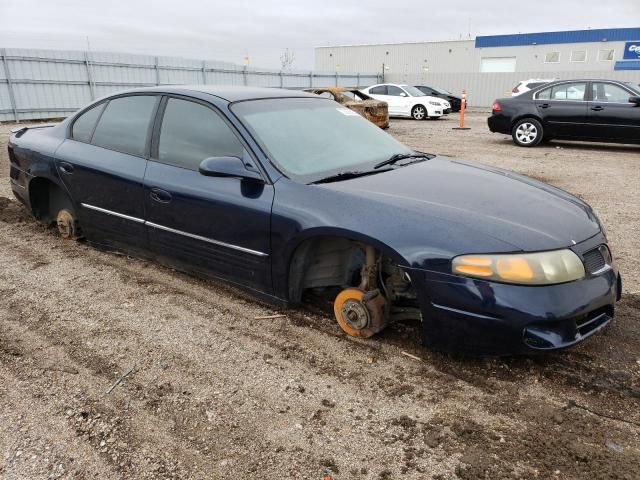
[(213, 393)]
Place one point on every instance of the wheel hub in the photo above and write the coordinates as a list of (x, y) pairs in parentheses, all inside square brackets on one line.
[(355, 314), (66, 224)]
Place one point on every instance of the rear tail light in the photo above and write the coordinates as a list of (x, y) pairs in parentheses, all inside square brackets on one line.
[(496, 107), (515, 89)]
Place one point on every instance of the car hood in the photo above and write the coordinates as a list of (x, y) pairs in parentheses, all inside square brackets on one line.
[(478, 202)]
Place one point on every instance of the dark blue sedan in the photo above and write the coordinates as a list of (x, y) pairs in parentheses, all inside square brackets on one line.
[(288, 194)]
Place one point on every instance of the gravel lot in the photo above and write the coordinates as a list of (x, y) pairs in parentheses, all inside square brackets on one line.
[(214, 393)]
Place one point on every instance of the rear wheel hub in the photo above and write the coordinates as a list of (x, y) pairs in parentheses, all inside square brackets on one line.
[(66, 223)]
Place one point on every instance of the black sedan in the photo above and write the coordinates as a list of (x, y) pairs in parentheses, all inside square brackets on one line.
[(586, 110), (288, 194), (454, 100)]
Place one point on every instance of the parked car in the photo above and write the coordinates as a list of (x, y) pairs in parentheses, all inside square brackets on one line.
[(408, 101), (526, 85), (588, 110), (454, 100), (376, 111), (284, 192)]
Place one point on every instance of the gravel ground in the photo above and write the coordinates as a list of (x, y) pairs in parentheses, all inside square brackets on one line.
[(211, 392)]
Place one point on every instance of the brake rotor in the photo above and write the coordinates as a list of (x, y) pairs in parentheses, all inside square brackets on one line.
[(67, 225), (352, 314)]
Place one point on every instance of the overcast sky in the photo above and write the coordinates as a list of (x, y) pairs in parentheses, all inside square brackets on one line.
[(262, 30)]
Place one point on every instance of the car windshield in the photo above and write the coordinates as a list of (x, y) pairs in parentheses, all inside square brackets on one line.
[(311, 139), (634, 86), (413, 91), (442, 91)]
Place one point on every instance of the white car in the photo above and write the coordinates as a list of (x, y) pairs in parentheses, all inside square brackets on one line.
[(408, 101), (526, 85)]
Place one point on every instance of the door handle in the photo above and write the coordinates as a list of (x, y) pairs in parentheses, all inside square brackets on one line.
[(65, 168), (159, 195), (597, 108), (545, 105)]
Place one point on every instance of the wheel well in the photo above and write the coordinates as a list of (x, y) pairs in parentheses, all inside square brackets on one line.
[(323, 261), (523, 117), (46, 199)]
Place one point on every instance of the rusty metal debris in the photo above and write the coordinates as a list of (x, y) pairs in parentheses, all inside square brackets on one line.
[(376, 111)]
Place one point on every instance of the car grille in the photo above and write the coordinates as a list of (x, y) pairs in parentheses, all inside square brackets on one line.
[(597, 260)]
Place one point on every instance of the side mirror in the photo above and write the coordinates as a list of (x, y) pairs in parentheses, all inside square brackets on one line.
[(227, 167), (402, 94), (635, 99)]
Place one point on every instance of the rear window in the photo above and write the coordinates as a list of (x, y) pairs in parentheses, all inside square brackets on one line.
[(85, 123), (564, 91), (125, 123), (381, 90)]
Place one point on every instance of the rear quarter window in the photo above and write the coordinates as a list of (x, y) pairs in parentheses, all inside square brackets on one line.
[(84, 125), (125, 123)]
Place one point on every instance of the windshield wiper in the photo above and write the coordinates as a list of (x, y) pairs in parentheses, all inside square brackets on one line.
[(347, 175), (403, 156)]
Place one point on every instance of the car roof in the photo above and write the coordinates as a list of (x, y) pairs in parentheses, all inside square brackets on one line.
[(228, 92)]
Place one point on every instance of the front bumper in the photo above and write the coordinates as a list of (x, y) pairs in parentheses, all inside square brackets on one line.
[(478, 317)]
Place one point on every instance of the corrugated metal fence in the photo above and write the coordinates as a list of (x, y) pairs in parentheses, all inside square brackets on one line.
[(36, 84)]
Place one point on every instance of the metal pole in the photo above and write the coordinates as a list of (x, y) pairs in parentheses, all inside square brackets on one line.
[(244, 75), (89, 76), (7, 74), (204, 72), (310, 79), (281, 79), (157, 67), (337, 79)]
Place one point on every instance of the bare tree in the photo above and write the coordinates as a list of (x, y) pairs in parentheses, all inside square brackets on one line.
[(287, 59)]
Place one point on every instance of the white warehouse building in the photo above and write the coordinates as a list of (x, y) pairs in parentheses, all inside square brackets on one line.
[(490, 66)]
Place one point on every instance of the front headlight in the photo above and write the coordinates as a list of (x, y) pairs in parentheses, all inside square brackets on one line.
[(542, 268), (437, 104)]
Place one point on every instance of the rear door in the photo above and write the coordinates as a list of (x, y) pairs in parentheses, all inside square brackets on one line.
[(103, 163), (611, 115), (216, 225), (380, 93), (563, 108)]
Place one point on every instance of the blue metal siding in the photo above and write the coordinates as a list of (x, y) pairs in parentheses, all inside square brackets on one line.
[(628, 65), (575, 36)]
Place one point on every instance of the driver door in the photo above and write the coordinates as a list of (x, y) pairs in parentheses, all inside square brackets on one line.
[(398, 100), (215, 225)]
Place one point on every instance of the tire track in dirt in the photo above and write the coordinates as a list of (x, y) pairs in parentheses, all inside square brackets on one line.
[(464, 400)]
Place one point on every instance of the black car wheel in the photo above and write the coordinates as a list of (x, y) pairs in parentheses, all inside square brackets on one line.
[(418, 112), (527, 132)]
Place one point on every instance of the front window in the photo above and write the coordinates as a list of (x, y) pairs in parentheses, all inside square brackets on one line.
[(607, 92), (310, 139), (394, 91)]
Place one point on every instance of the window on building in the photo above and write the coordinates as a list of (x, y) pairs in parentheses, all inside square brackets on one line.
[(498, 64), (579, 56), (552, 57), (191, 132), (607, 92), (564, 91), (607, 55), (125, 123)]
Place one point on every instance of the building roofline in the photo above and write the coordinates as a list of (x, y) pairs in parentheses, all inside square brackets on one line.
[(394, 43)]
